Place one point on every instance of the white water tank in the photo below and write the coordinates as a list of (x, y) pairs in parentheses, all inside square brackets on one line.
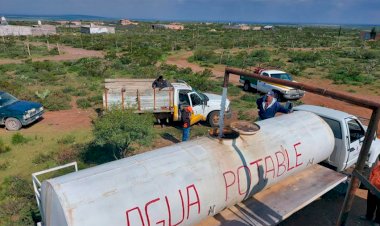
[(187, 182)]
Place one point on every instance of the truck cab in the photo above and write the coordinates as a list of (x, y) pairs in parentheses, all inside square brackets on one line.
[(281, 92), (349, 135), (206, 106)]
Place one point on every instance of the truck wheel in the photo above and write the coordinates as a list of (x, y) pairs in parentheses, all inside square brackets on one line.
[(246, 86), (12, 124), (213, 118)]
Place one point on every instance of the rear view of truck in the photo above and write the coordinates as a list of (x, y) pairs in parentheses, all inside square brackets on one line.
[(137, 94)]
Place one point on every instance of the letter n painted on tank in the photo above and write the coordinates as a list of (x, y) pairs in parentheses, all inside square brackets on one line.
[(267, 169), (226, 183), (247, 171), (169, 211), (297, 154), (146, 209), (139, 211), (189, 204), (280, 165)]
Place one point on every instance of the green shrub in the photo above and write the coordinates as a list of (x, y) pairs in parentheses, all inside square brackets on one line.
[(17, 202), (122, 130), (304, 56), (4, 148), (348, 74), (83, 103), (57, 100), (18, 138)]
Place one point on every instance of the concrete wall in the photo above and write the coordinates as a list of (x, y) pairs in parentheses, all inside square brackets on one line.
[(44, 30), (10, 30)]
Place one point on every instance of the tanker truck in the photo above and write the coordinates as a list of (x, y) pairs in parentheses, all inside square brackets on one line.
[(189, 182)]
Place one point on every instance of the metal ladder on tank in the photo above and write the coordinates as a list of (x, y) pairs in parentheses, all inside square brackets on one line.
[(37, 183)]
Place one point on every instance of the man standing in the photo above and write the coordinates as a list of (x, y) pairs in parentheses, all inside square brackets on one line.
[(268, 106), (373, 202), (186, 114), (160, 83)]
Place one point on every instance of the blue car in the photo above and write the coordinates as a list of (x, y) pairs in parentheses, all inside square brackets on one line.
[(16, 113)]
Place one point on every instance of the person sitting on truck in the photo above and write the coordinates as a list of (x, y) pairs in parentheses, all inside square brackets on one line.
[(185, 116), (373, 202), (268, 106), (160, 83)]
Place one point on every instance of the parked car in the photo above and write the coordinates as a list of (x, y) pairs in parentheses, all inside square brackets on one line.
[(16, 113), (282, 92)]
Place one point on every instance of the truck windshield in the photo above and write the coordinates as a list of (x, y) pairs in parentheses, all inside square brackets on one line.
[(282, 76), (7, 99), (203, 96)]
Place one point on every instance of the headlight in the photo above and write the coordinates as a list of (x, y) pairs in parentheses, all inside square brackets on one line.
[(26, 116), (41, 108)]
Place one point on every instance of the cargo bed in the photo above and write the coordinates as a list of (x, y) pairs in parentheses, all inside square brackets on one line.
[(280, 201)]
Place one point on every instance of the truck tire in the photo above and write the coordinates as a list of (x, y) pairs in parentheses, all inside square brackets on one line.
[(246, 86), (12, 124), (213, 118)]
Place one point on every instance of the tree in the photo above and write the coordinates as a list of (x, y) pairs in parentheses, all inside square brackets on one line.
[(122, 130)]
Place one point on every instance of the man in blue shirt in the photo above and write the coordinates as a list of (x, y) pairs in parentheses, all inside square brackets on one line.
[(268, 106)]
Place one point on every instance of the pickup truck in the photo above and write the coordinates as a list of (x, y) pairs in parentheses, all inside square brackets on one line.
[(349, 134), (281, 92), (16, 113), (166, 103)]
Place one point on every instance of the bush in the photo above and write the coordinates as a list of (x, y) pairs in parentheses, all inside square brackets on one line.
[(4, 148), (57, 100), (348, 74), (17, 202), (309, 57), (18, 138), (83, 103), (122, 130)]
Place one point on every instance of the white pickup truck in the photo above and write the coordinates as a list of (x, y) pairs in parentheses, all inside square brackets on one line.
[(349, 134), (281, 92), (166, 103)]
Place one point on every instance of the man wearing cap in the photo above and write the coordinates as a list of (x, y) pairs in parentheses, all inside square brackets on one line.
[(268, 106), (185, 115), (160, 83)]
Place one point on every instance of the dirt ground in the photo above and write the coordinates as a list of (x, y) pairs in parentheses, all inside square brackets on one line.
[(62, 121), (67, 53), (325, 210)]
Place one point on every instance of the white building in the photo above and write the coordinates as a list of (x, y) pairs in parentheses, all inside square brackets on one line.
[(92, 29)]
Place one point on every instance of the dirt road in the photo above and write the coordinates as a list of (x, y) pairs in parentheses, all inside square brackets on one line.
[(67, 53)]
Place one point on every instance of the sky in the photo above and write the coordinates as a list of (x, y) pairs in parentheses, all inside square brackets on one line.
[(280, 11)]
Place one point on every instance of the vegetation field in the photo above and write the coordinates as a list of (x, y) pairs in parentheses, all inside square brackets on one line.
[(71, 86)]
